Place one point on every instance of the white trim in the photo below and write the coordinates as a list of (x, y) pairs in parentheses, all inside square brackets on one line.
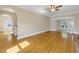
[(21, 37), (75, 32), (62, 18), (67, 32), (59, 18), (64, 14), (53, 30)]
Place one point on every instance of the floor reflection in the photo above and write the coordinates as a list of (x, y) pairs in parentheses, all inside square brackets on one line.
[(67, 35), (47, 42), (64, 34)]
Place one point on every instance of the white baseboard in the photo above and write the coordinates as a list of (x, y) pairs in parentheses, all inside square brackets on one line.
[(21, 37), (52, 30), (75, 32), (67, 32)]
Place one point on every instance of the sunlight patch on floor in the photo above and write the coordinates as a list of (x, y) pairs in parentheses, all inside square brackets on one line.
[(24, 44), (18, 47), (7, 32), (13, 49)]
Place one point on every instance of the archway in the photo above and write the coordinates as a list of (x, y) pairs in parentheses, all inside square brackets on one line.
[(10, 23), (6, 24)]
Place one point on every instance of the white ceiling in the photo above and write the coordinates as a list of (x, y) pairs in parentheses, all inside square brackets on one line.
[(41, 9)]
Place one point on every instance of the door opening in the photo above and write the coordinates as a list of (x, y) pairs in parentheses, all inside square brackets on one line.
[(7, 27), (6, 24), (65, 26)]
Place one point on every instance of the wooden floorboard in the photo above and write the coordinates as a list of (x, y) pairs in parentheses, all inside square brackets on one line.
[(48, 42)]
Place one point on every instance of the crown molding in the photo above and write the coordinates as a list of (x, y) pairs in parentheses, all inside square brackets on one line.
[(65, 14)]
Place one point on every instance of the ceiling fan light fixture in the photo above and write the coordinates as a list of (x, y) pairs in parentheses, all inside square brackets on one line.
[(53, 10)]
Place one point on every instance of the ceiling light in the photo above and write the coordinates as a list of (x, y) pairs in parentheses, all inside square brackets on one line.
[(53, 10)]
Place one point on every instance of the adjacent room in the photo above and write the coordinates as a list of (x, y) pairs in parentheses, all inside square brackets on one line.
[(39, 28)]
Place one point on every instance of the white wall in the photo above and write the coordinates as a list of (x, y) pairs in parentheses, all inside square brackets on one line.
[(30, 23), (53, 25), (76, 24)]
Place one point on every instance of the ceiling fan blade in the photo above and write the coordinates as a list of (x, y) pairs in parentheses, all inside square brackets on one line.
[(58, 6), (56, 9), (53, 8)]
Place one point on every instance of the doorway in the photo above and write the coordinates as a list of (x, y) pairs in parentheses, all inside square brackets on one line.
[(8, 27), (6, 24), (64, 25), (7, 30)]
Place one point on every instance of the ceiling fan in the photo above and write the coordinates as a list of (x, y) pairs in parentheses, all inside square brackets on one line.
[(52, 8)]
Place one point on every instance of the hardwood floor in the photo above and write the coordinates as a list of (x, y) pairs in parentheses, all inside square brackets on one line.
[(48, 42)]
